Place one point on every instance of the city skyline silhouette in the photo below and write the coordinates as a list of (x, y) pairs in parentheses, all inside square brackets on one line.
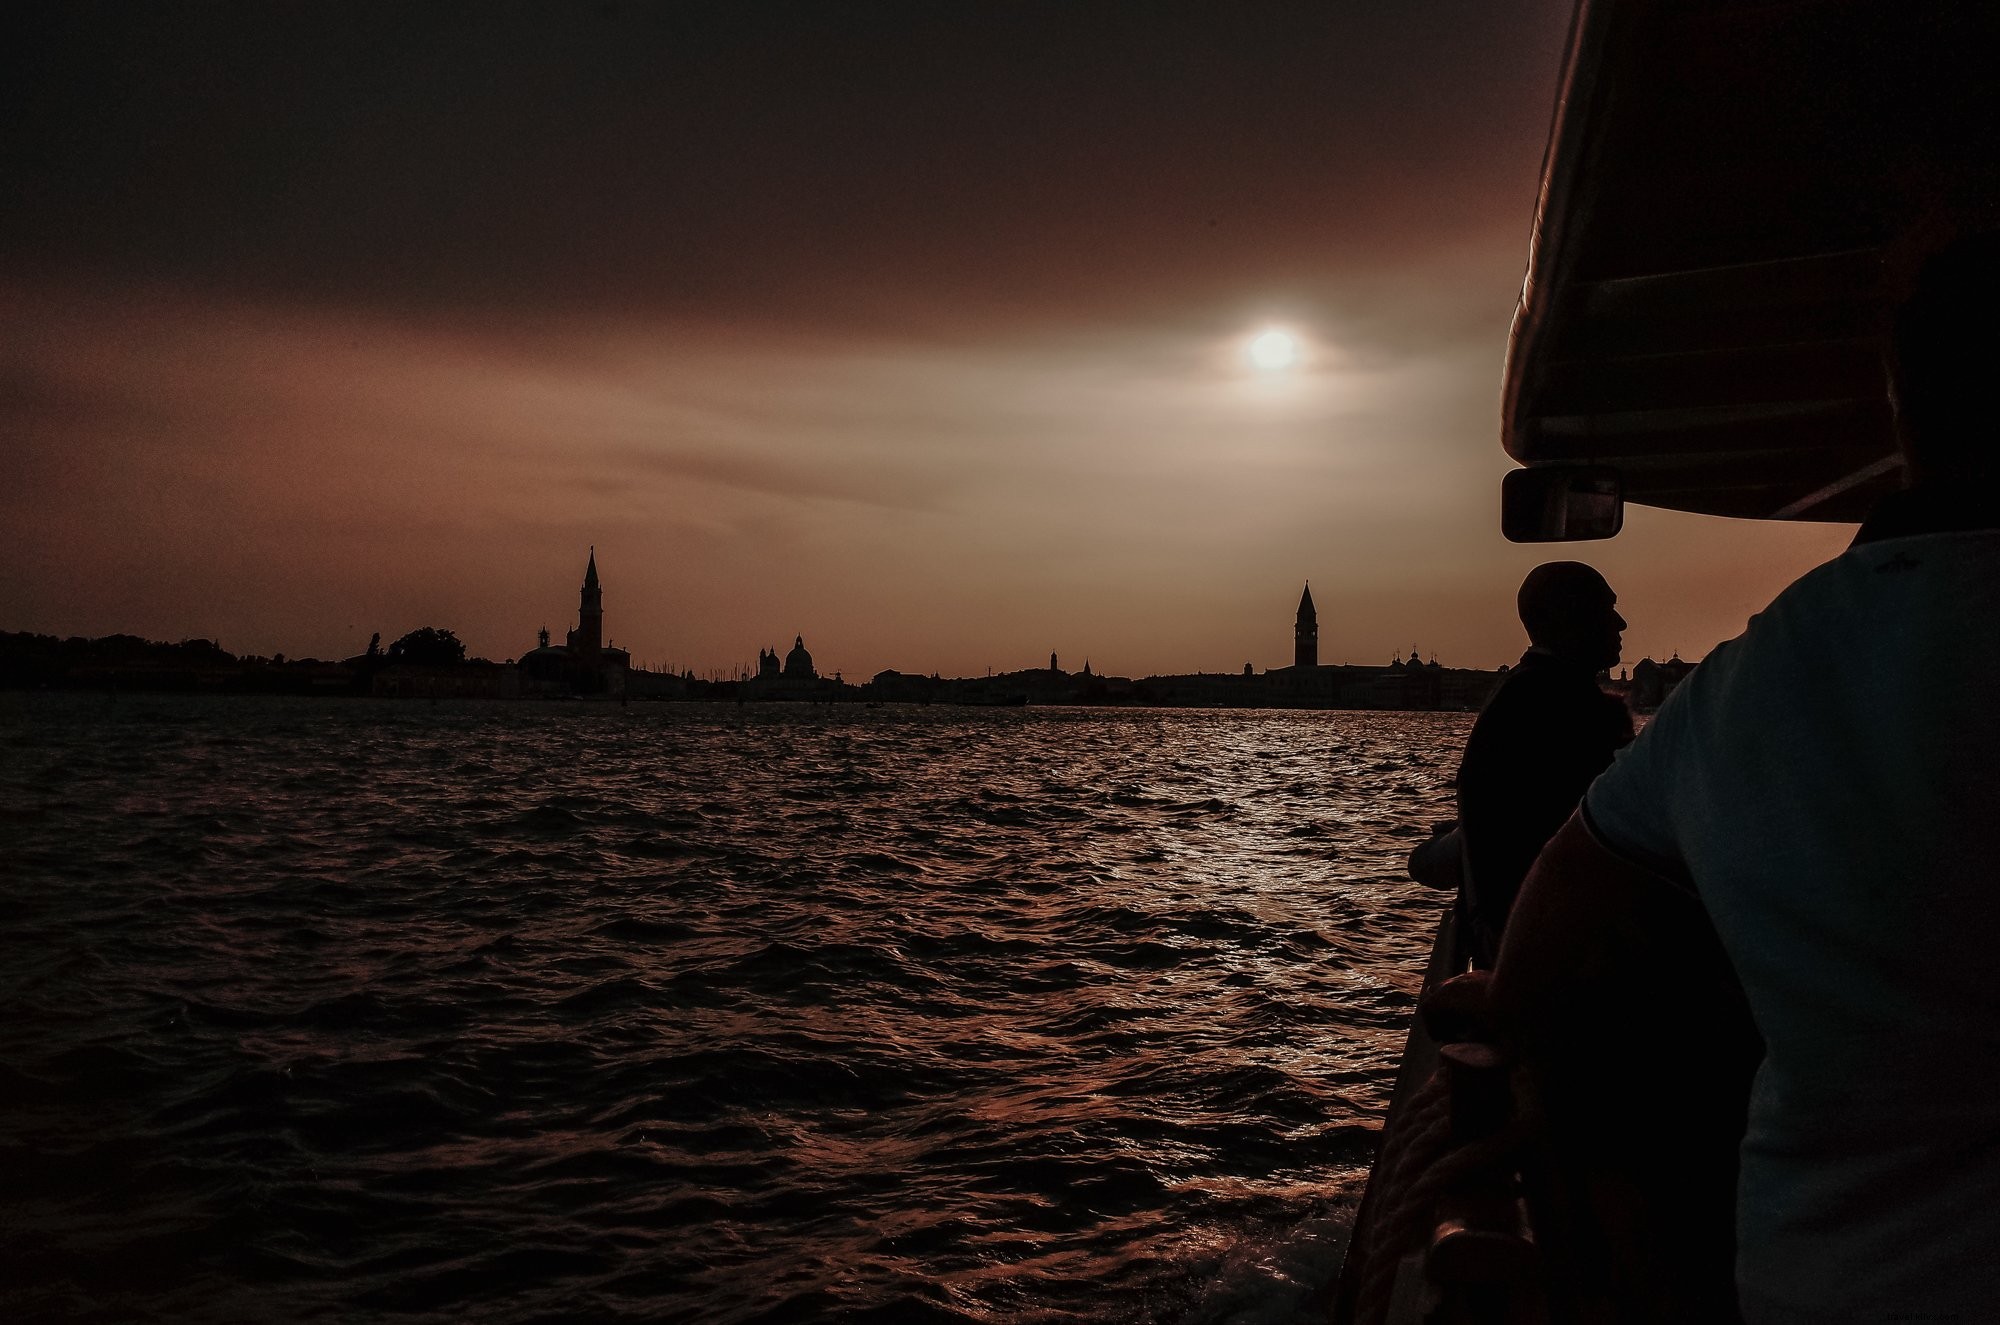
[(432, 662)]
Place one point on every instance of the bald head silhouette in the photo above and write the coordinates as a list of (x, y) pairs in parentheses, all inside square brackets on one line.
[(1569, 610)]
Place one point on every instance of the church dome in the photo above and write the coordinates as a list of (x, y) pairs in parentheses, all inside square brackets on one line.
[(798, 662)]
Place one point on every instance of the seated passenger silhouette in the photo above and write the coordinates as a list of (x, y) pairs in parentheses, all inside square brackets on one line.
[(1543, 736), (1822, 793)]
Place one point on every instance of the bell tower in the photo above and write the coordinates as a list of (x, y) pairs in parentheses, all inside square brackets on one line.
[(590, 613), (1305, 633)]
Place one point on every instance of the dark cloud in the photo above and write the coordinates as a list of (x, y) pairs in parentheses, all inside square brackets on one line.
[(844, 162)]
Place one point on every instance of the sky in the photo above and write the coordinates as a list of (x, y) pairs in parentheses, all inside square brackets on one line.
[(916, 330)]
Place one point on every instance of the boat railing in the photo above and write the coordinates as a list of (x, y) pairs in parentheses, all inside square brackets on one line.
[(1441, 1234)]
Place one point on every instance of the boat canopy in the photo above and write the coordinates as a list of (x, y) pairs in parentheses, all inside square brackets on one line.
[(1729, 200)]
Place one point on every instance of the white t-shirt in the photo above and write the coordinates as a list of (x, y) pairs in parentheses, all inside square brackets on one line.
[(1829, 785)]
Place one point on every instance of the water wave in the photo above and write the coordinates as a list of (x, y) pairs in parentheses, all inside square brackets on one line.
[(343, 1010)]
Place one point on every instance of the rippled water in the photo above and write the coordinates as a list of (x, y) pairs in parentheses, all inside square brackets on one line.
[(346, 1010)]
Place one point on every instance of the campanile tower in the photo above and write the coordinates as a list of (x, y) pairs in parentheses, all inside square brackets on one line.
[(589, 639), (1305, 634)]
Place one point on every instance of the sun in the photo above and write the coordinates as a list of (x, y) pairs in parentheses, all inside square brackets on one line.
[(1273, 350)]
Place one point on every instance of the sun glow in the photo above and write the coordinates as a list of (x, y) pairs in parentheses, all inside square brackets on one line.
[(1273, 350)]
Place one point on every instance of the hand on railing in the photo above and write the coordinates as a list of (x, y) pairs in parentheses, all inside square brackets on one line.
[(1435, 862)]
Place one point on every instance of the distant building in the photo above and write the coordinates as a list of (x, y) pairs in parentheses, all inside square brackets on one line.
[(586, 642), (467, 680), (1308, 683), (1305, 684), (794, 678), (1415, 684), (798, 663), (894, 687), (584, 664), (1305, 632), (1653, 681)]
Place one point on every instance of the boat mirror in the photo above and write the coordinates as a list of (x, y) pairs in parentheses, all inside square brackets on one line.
[(1561, 504)]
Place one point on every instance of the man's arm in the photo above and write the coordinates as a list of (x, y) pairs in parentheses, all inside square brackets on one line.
[(1614, 988), (1616, 997), (1580, 923)]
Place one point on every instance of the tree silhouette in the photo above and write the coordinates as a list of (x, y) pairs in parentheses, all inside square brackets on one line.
[(428, 647)]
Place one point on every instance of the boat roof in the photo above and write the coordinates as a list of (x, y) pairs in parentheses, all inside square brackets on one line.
[(1729, 194)]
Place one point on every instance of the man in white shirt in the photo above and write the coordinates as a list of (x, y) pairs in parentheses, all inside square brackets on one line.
[(1824, 788)]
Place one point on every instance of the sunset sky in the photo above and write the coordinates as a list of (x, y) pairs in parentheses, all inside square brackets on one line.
[(918, 330)]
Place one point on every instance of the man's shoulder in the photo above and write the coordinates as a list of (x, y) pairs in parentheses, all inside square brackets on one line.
[(1886, 569), (1540, 683), (1520, 692), (1869, 616), (1543, 708)]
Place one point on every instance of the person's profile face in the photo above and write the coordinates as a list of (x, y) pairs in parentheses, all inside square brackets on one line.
[(1608, 630), (1592, 631), (1570, 611)]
